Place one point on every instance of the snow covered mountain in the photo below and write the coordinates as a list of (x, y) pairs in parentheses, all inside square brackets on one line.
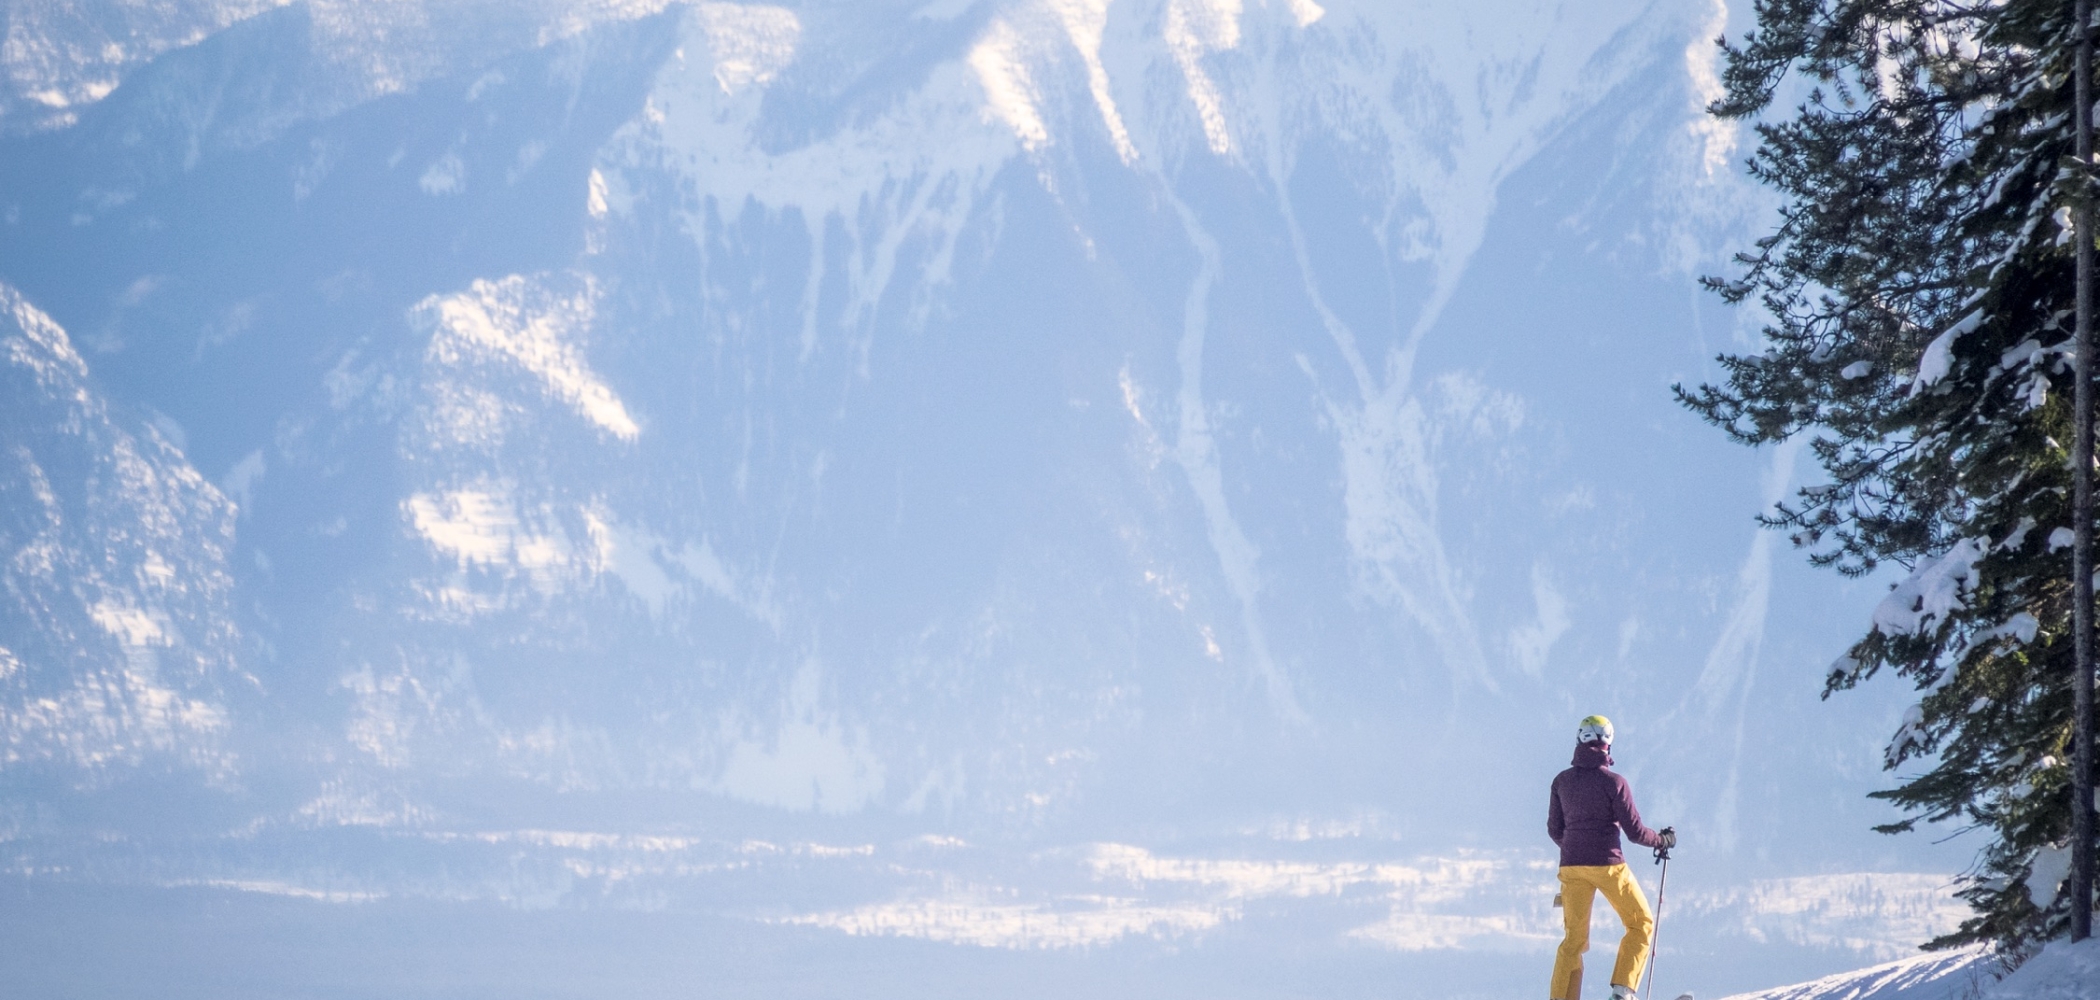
[(1197, 428)]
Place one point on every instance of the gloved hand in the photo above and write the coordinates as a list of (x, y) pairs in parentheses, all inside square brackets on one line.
[(1669, 837)]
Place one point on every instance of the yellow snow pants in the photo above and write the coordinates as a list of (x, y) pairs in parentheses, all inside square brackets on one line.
[(1577, 884)]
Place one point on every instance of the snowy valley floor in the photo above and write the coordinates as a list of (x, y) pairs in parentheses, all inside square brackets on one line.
[(541, 913)]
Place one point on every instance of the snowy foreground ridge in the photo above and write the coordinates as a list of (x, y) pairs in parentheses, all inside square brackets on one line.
[(2063, 971)]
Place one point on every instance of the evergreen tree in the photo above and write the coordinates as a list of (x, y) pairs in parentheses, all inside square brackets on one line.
[(1920, 284)]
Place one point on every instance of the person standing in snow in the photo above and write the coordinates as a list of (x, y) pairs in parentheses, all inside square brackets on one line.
[(1591, 804)]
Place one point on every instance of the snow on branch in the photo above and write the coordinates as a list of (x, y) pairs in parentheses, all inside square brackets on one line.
[(1932, 592), (1939, 355)]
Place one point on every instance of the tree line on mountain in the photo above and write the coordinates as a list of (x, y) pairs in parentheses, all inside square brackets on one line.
[(1920, 285)]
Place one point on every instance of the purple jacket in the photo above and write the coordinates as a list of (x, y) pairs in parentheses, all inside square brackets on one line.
[(1590, 806)]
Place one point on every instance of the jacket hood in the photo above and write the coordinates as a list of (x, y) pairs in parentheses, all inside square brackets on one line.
[(1592, 755)]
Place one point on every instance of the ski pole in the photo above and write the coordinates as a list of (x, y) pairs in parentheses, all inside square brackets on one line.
[(1662, 857)]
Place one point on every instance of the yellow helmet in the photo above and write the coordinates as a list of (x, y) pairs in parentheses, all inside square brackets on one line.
[(1593, 729)]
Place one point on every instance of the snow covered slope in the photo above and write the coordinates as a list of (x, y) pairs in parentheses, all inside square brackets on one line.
[(2061, 971), (1949, 975)]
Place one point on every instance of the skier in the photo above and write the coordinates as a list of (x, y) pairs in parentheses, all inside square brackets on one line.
[(1590, 806)]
